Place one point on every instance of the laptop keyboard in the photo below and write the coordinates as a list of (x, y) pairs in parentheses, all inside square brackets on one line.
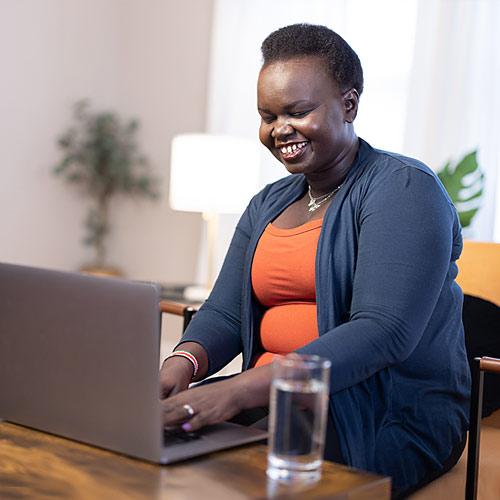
[(178, 436)]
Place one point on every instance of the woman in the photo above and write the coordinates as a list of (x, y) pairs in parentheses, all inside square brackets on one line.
[(351, 258)]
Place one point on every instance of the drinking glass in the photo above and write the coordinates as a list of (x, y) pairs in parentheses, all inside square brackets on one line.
[(297, 417)]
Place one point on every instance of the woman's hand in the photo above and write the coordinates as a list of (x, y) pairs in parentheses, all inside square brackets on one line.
[(212, 403), (219, 401), (175, 376), (176, 372)]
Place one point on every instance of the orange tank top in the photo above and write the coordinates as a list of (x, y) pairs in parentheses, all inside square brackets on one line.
[(283, 280)]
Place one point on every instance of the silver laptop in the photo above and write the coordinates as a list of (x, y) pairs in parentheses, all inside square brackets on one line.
[(79, 357)]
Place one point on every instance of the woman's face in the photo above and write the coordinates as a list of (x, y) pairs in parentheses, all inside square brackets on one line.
[(306, 121)]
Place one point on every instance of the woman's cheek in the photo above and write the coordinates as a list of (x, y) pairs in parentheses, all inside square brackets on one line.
[(312, 127), (264, 135), (267, 140)]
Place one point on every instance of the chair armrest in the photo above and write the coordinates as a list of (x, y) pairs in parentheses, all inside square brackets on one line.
[(178, 309), (488, 364)]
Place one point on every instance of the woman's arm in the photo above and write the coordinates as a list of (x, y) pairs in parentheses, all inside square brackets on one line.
[(213, 335), (404, 251), (217, 325)]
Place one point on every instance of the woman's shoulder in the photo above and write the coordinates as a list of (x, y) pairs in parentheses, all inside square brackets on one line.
[(381, 162), (387, 170)]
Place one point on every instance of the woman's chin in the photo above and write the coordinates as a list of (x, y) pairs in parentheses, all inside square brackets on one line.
[(295, 168)]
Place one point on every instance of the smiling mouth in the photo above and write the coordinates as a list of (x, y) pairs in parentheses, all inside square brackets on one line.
[(293, 151)]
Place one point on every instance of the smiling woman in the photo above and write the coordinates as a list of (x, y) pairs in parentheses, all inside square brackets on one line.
[(334, 261), (307, 123)]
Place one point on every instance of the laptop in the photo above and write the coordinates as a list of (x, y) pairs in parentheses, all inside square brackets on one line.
[(79, 357)]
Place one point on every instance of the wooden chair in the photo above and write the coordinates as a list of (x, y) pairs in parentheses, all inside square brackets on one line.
[(479, 276), (481, 365), (479, 270), (178, 309)]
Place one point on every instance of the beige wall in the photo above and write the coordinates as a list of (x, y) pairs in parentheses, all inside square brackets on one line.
[(147, 59)]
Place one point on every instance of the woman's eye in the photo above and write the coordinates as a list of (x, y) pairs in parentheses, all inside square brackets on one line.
[(299, 114), (267, 119)]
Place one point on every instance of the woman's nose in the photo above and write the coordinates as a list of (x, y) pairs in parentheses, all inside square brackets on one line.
[(282, 129)]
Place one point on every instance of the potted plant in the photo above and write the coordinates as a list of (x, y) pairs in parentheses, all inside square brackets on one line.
[(464, 182), (102, 159)]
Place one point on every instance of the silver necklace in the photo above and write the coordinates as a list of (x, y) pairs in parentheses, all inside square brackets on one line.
[(315, 203)]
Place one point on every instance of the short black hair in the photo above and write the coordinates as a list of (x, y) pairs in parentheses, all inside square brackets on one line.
[(303, 39)]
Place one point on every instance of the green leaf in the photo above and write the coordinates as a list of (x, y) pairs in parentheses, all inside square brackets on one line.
[(76, 177), (466, 217), (465, 185)]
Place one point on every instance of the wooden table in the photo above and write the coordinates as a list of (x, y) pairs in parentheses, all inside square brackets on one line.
[(38, 465)]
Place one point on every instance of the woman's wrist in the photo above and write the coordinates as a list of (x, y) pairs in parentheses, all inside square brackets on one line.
[(178, 363), (254, 386), (189, 356), (199, 353)]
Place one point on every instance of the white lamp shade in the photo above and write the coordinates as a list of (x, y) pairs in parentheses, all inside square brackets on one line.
[(213, 173)]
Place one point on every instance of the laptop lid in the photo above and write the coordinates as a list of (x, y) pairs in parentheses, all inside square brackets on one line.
[(79, 357)]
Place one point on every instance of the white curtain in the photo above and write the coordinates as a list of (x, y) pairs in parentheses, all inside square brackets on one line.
[(454, 104)]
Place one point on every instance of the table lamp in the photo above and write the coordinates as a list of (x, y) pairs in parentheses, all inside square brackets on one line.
[(212, 174)]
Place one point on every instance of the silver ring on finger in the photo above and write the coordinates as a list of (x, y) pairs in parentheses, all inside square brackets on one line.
[(189, 410)]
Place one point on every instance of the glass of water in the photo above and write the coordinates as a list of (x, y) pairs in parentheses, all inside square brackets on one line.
[(297, 417)]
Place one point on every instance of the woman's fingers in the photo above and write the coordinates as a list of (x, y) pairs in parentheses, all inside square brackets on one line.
[(175, 412), (200, 406), (194, 424), (176, 409), (207, 416)]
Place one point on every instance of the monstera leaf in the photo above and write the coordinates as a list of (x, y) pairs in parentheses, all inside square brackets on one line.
[(464, 183)]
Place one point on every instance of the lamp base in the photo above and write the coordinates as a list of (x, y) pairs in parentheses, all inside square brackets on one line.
[(196, 293), (191, 294)]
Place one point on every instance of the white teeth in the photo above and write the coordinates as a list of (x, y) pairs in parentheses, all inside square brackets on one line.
[(293, 147)]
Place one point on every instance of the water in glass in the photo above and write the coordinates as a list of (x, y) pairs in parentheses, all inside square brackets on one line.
[(297, 424)]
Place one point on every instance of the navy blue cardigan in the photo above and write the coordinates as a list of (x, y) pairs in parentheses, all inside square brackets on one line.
[(389, 312)]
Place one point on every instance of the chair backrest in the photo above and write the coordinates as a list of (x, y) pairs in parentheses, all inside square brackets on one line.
[(479, 275), (479, 270), (187, 312), (480, 366)]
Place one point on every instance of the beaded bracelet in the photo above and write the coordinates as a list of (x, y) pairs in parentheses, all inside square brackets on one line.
[(188, 355)]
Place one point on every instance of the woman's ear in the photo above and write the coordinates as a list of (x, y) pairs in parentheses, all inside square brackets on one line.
[(351, 100)]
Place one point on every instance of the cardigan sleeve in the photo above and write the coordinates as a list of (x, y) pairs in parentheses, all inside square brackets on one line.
[(217, 324), (406, 229)]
